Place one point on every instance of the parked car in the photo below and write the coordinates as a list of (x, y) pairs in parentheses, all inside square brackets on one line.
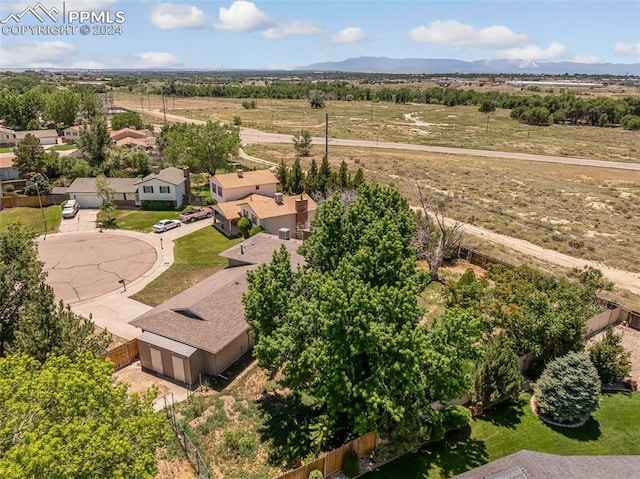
[(196, 214), (70, 209), (164, 225)]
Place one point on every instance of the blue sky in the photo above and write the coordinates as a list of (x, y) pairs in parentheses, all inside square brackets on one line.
[(281, 34)]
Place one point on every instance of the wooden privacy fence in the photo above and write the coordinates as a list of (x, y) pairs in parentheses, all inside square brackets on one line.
[(124, 355), (14, 201), (332, 461)]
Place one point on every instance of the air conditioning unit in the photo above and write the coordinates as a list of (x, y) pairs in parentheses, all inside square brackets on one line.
[(279, 197), (283, 233)]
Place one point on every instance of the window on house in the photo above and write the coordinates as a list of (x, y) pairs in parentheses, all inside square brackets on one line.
[(219, 190), (147, 189), (254, 219), (164, 189), (257, 187)]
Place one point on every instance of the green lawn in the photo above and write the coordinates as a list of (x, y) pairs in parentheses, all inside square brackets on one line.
[(195, 258), (63, 147), (139, 220), (8, 149), (32, 217), (613, 430)]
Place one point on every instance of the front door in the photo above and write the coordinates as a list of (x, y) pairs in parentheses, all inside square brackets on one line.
[(178, 368)]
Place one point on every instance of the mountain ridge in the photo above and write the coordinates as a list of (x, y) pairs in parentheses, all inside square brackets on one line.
[(446, 65)]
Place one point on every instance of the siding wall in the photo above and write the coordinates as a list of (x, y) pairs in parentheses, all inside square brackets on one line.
[(176, 193)]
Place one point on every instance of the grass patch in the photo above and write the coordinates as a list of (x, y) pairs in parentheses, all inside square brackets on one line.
[(63, 147), (8, 149), (32, 217), (614, 429), (195, 258), (139, 220)]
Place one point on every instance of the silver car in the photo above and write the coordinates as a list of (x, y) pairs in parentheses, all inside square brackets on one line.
[(164, 225)]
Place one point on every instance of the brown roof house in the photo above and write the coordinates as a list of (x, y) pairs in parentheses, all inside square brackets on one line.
[(291, 213), (201, 331), (233, 186)]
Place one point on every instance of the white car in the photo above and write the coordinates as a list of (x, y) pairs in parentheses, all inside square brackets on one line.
[(164, 225)]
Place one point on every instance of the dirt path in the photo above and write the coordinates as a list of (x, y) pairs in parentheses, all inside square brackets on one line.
[(250, 136)]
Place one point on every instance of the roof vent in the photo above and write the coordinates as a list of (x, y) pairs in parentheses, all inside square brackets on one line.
[(279, 197), (188, 313), (283, 233)]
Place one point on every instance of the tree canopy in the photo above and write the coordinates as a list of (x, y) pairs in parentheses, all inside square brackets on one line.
[(94, 141), (129, 119), (29, 155), (66, 418)]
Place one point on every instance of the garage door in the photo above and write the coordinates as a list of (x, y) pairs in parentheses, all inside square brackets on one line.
[(88, 201)]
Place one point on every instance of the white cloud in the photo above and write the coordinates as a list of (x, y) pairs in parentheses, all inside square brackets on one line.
[(88, 65), (242, 16), (586, 58), (452, 32), (169, 16), (348, 35), (297, 27), (531, 53), (154, 60), (49, 54), (631, 49)]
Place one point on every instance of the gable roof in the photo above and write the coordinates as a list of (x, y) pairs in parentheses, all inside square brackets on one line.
[(88, 185), (259, 249), (248, 178), (266, 207), (116, 135), (37, 133), (72, 128), (217, 300), (537, 465), (6, 161), (171, 175)]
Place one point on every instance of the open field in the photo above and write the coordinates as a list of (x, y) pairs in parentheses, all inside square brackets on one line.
[(591, 213), (196, 258), (436, 125), (614, 429), (32, 217)]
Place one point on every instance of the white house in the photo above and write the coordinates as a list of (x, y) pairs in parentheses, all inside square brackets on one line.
[(84, 191), (169, 184), (71, 134), (233, 186)]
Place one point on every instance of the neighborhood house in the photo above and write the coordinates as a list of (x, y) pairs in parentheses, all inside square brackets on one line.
[(233, 186), (85, 192), (46, 137), (202, 330), (170, 184)]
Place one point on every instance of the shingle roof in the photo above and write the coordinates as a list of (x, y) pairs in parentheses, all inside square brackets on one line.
[(88, 185), (217, 300), (266, 207), (37, 133), (259, 249), (230, 209), (171, 175), (537, 465), (168, 344), (116, 135), (6, 161), (248, 178)]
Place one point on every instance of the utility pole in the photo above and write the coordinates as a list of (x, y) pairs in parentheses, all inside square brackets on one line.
[(326, 135), (164, 106), (44, 221)]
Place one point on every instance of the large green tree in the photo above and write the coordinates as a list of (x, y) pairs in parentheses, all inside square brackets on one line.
[(497, 376), (63, 107), (94, 141), (30, 320), (206, 147), (29, 155), (127, 120), (67, 418)]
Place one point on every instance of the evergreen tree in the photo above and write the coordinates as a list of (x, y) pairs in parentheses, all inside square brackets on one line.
[(610, 358), (497, 376), (296, 178), (282, 173), (323, 180), (342, 180), (358, 179), (311, 180)]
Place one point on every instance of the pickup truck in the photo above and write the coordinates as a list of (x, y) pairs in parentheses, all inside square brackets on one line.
[(196, 214)]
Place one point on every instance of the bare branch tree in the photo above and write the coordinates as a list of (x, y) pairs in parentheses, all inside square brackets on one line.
[(434, 238)]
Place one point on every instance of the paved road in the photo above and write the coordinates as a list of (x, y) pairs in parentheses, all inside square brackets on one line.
[(253, 136)]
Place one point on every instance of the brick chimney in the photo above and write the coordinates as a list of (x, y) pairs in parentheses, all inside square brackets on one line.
[(302, 213), (239, 172), (187, 180)]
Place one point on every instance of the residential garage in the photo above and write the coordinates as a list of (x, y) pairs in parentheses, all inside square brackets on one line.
[(84, 191)]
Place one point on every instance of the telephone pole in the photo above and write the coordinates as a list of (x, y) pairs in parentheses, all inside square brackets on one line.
[(326, 135)]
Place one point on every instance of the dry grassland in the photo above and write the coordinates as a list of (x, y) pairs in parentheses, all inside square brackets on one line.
[(436, 125)]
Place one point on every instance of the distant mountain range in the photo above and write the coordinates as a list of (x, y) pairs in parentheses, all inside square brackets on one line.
[(435, 65)]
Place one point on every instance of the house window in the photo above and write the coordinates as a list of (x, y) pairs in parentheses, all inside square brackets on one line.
[(164, 189), (219, 190), (147, 189), (254, 219), (257, 187)]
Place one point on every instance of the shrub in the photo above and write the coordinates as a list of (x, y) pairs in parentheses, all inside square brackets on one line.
[(456, 417), (9, 188), (156, 205), (568, 389), (210, 200), (249, 105), (237, 120), (243, 226), (237, 443), (610, 358), (315, 474), (36, 183), (351, 464), (255, 230), (497, 376)]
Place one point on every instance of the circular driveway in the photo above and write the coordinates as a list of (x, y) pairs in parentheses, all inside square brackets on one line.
[(84, 266)]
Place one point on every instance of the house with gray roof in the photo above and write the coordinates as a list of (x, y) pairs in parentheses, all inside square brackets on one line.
[(202, 331), (537, 465), (46, 137), (169, 184), (85, 192)]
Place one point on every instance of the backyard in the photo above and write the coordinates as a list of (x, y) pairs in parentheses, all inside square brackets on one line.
[(614, 429), (32, 217)]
